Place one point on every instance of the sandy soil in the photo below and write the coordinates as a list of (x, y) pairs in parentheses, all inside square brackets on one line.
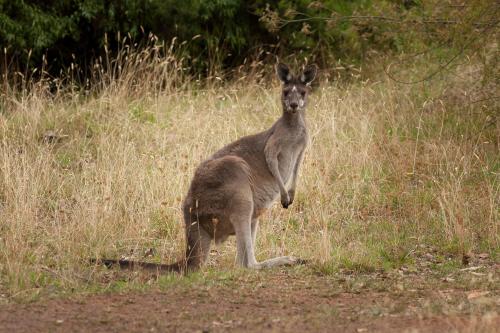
[(276, 301)]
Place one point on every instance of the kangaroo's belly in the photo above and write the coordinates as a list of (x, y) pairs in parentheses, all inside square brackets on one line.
[(264, 195), (267, 192), (266, 189)]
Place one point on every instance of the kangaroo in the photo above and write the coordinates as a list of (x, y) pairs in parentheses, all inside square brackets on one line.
[(233, 187)]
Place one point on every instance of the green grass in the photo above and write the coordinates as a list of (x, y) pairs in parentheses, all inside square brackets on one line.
[(391, 169)]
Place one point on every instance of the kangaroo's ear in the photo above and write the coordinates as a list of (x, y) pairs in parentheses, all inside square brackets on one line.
[(309, 74), (283, 73)]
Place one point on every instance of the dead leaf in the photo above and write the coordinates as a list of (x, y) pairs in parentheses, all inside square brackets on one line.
[(477, 294), (149, 252)]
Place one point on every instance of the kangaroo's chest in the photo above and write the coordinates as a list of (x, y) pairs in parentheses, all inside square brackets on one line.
[(267, 190), (289, 157), (287, 160)]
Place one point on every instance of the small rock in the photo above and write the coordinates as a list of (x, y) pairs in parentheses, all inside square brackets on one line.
[(429, 256), (52, 137), (483, 256)]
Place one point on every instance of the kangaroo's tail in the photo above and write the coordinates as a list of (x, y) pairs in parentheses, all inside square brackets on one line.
[(178, 267)]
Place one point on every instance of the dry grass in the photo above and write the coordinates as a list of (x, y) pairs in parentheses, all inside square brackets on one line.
[(390, 168)]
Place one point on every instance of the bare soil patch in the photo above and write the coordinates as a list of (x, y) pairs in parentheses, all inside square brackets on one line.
[(274, 301)]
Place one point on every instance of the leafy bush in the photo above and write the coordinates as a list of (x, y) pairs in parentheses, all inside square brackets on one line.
[(223, 33)]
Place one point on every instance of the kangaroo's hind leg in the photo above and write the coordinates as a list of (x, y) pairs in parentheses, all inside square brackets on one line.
[(255, 229), (246, 230), (242, 224)]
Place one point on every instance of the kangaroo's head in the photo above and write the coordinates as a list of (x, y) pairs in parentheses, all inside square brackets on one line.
[(295, 88)]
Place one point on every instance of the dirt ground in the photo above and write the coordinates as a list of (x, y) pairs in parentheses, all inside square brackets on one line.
[(283, 300)]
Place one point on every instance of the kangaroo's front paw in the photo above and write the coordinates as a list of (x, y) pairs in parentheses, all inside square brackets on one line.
[(285, 200)]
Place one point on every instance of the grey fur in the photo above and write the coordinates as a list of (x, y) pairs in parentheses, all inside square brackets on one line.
[(233, 187)]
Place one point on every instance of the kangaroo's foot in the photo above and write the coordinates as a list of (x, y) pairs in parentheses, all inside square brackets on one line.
[(279, 261)]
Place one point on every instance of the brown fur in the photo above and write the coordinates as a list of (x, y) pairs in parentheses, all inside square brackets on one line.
[(233, 187)]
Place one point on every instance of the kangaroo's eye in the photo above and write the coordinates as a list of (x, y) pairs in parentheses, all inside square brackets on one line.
[(303, 93), (285, 93)]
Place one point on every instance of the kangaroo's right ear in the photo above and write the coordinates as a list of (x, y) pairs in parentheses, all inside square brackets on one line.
[(283, 73), (309, 74)]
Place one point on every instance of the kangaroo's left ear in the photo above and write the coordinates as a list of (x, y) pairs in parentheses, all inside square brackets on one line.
[(309, 74), (283, 73)]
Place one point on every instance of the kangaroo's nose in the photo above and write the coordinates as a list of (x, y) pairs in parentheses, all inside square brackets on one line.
[(294, 105)]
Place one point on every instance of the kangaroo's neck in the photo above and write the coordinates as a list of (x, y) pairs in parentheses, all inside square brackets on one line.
[(296, 119)]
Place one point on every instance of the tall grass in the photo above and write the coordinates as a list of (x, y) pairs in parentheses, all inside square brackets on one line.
[(103, 173)]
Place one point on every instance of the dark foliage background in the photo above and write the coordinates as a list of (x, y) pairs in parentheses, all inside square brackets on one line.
[(221, 34)]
